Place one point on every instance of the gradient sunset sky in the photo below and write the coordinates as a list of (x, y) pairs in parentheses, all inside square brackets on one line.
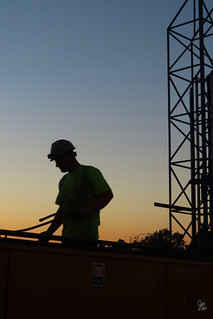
[(93, 72)]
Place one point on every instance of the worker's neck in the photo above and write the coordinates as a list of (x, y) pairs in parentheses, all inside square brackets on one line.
[(75, 164)]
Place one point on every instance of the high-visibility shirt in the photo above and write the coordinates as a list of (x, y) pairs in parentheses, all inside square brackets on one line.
[(76, 191)]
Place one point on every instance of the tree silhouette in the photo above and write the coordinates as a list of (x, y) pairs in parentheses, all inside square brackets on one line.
[(161, 239)]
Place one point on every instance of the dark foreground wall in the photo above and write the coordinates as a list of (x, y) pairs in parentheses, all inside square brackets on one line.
[(54, 282)]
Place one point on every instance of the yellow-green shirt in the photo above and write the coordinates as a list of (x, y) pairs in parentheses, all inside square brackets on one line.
[(77, 190)]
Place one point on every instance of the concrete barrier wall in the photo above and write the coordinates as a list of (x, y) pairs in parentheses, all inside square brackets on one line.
[(48, 282)]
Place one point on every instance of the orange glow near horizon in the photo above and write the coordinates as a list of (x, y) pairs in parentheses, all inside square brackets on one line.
[(99, 82)]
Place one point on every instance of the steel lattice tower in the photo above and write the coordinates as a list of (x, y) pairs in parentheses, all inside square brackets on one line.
[(190, 119)]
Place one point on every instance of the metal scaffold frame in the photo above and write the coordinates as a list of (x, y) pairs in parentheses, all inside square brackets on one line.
[(189, 63), (190, 120)]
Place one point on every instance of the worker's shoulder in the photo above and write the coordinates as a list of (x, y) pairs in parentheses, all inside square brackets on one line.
[(92, 169)]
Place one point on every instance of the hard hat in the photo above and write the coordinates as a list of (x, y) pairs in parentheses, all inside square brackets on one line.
[(60, 148)]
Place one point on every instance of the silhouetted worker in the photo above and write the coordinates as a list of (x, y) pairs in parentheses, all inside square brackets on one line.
[(83, 192)]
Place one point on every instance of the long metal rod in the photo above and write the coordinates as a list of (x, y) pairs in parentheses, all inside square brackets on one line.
[(203, 114), (198, 187), (169, 136), (192, 151), (36, 226), (176, 207)]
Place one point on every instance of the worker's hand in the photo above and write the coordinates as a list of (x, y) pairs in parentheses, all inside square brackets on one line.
[(43, 239)]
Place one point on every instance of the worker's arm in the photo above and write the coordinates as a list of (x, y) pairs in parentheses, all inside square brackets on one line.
[(56, 223), (101, 201)]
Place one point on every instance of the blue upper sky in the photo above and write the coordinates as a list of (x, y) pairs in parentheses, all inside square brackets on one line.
[(94, 72)]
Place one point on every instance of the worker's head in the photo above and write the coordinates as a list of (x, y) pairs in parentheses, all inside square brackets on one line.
[(61, 148), (62, 152)]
